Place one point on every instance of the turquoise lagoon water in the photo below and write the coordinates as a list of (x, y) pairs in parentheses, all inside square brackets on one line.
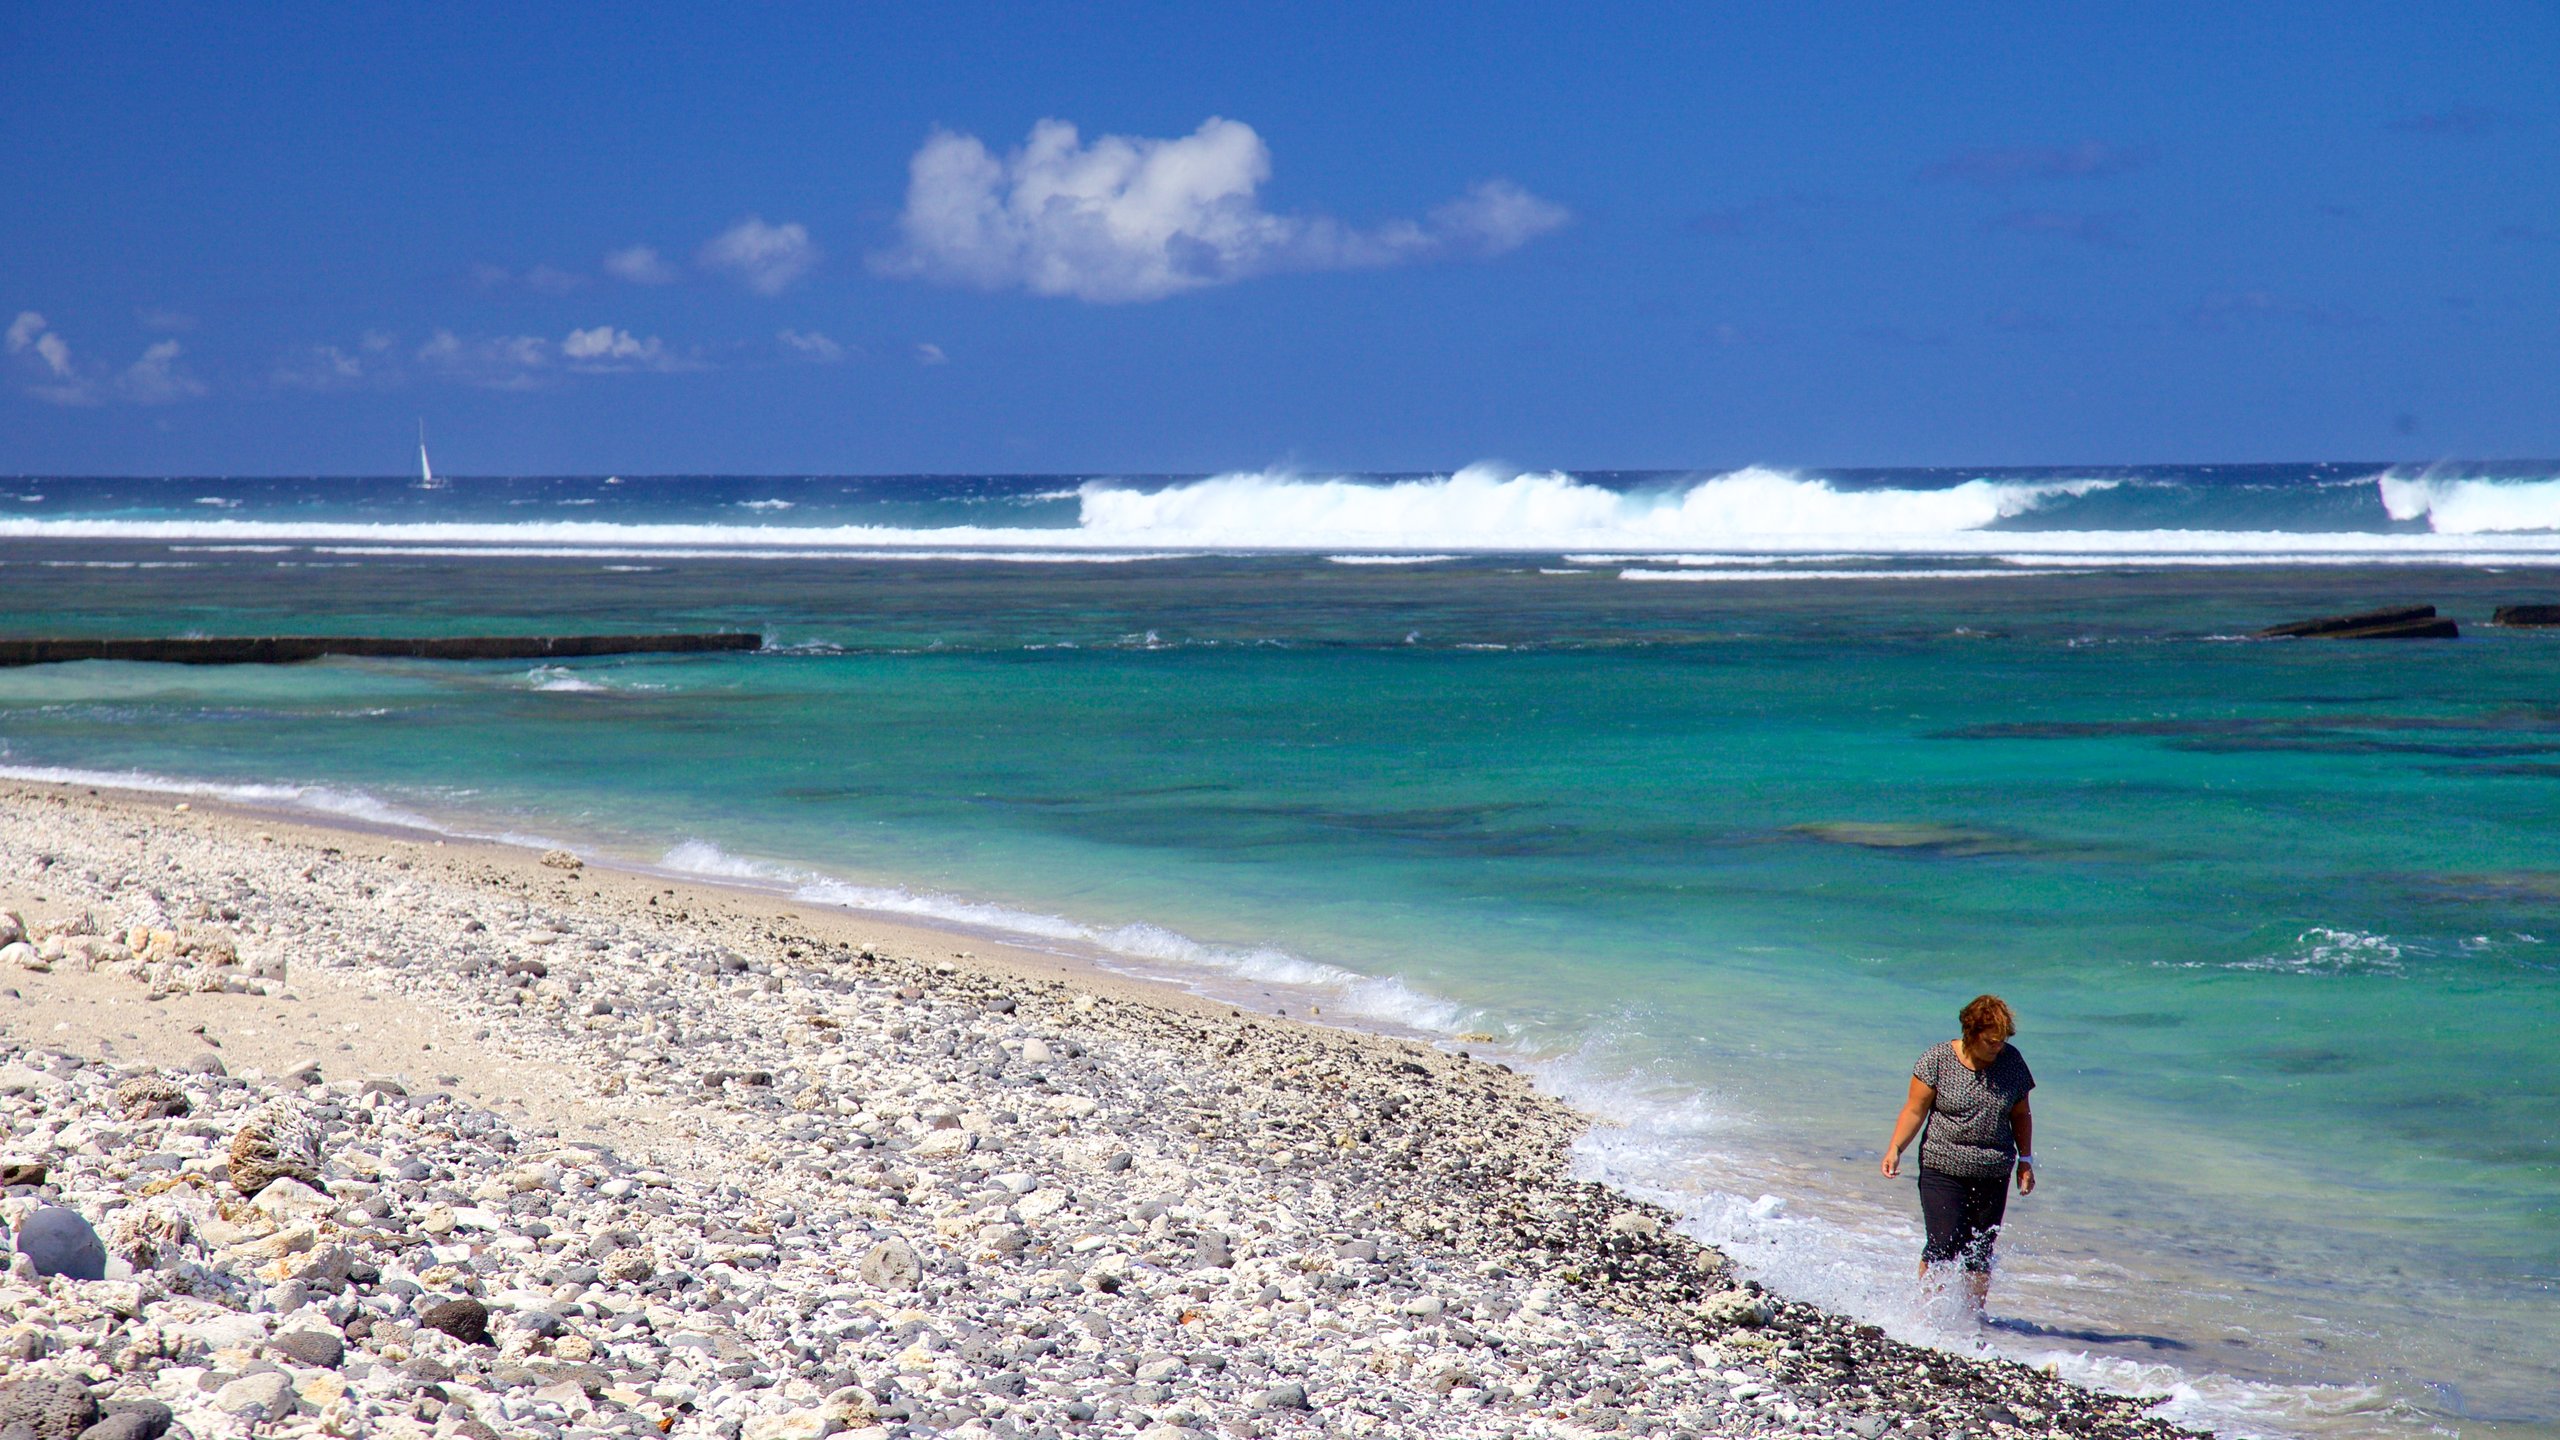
[(1711, 797)]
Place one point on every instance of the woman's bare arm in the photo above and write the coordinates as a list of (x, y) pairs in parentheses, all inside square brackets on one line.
[(2023, 1122), (1915, 1108)]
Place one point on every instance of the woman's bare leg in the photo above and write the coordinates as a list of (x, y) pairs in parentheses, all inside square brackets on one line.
[(1977, 1287)]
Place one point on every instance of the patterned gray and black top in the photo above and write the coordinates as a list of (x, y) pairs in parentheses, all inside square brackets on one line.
[(1968, 1133)]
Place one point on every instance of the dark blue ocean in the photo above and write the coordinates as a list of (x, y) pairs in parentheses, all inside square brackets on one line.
[(1710, 796)]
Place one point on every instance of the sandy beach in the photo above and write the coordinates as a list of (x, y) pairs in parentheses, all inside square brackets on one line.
[(383, 1134)]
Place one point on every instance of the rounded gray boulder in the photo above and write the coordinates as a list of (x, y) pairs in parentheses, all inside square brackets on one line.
[(61, 1243)]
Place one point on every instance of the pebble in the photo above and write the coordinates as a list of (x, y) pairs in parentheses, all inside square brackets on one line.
[(323, 1349), (465, 1319), (256, 1397)]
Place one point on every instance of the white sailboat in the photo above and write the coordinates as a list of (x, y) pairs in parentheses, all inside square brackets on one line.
[(426, 473)]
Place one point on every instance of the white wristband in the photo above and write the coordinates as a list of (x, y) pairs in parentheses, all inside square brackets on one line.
[(2027, 1160)]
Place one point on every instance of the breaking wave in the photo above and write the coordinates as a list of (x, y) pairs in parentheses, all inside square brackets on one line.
[(2473, 507), (1484, 508), (1757, 511)]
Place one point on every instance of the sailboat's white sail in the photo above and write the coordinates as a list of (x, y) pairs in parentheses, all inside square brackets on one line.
[(426, 472)]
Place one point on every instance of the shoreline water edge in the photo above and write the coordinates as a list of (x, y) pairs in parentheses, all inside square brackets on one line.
[(385, 1133)]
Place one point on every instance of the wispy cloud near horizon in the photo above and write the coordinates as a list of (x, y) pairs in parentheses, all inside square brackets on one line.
[(156, 378), (30, 334)]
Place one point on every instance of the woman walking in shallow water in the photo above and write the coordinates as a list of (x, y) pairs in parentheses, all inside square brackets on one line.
[(1968, 1105)]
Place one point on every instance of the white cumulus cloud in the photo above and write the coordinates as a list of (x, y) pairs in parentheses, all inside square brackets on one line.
[(157, 378), (1495, 216), (809, 345), (320, 367), (529, 362), (1128, 218), (765, 258), (495, 362), (29, 334), (639, 265), (606, 343), (604, 348)]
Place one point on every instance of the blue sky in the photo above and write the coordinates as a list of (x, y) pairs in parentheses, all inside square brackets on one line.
[(849, 238)]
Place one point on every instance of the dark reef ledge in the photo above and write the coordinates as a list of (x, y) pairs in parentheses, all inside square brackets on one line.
[(285, 649)]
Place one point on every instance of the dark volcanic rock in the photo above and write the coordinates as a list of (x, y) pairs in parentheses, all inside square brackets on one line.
[(466, 1320), (2402, 630), (2400, 622), (131, 1420), (55, 1407), (286, 649), (2533, 616), (322, 1348)]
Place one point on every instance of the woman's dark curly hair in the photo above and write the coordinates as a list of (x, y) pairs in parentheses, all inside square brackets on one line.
[(1987, 1015)]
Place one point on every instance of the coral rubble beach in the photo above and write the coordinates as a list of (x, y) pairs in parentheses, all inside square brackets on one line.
[(384, 1135)]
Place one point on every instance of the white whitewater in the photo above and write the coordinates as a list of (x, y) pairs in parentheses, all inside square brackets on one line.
[(1744, 517)]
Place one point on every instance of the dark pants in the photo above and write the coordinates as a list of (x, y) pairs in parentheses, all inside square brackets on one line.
[(1963, 1217)]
